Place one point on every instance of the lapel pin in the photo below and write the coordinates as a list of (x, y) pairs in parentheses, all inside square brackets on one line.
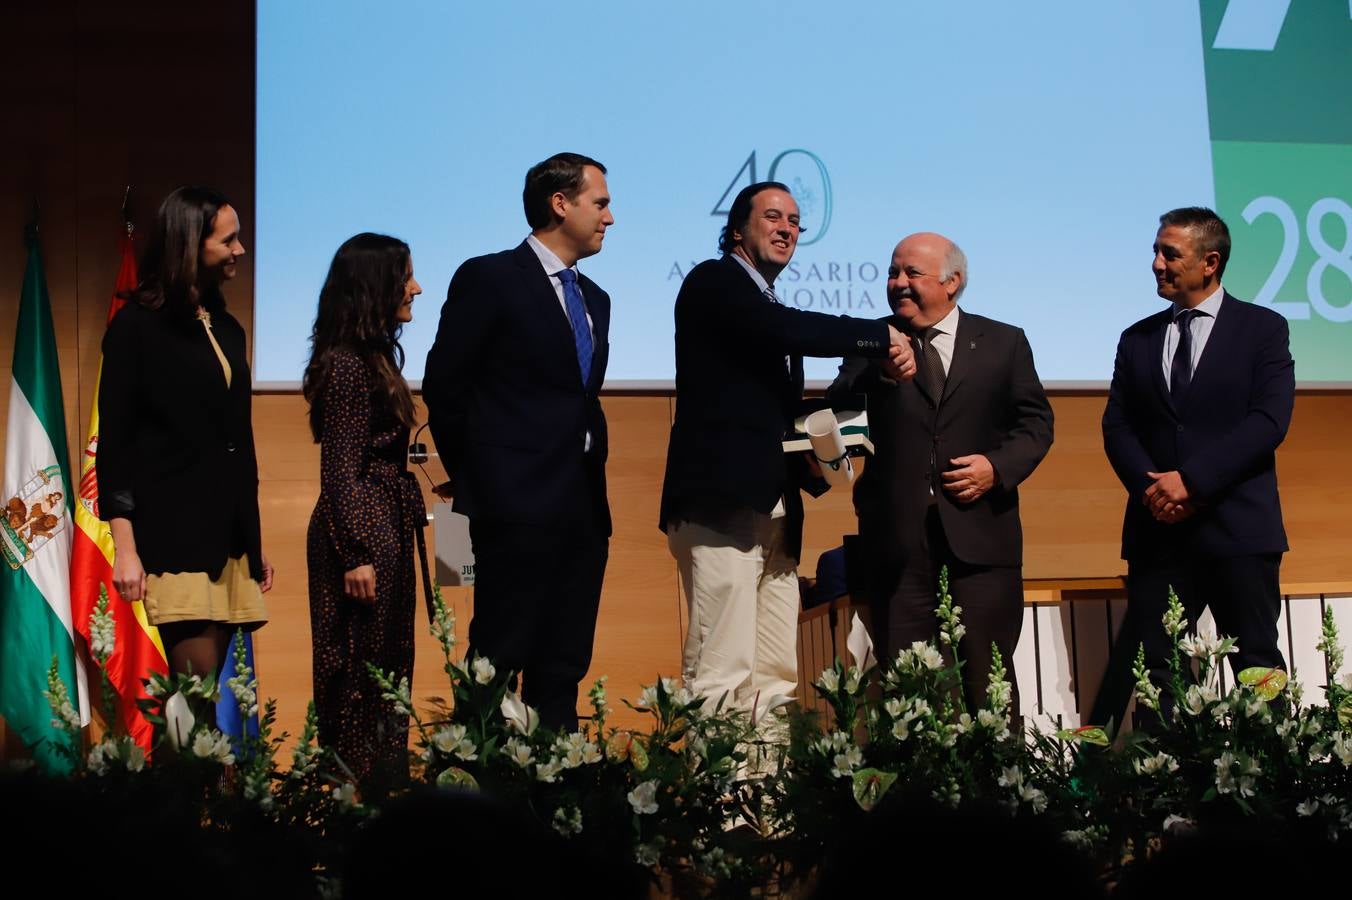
[(972, 346)]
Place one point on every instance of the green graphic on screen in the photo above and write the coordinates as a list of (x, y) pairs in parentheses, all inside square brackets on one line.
[(1279, 98)]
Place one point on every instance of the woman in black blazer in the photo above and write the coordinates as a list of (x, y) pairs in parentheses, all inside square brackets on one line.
[(177, 474)]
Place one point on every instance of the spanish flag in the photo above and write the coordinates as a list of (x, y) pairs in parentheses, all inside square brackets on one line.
[(138, 651)]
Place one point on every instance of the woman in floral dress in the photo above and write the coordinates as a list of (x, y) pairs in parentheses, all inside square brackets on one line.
[(360, 543)]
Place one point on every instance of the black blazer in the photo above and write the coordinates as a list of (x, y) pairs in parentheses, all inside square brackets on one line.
[(735, 396), (505, 398), (176, 450), (1222, 436), (993, 403)]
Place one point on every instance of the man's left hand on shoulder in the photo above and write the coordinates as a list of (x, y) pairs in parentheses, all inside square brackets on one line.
[(970, 478)]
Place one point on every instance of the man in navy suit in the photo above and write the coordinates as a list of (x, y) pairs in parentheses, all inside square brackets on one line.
[(1201, 398), (731, 506), (512, 390)]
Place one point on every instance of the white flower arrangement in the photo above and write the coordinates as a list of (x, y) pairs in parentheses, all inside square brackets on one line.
[(643, 798)]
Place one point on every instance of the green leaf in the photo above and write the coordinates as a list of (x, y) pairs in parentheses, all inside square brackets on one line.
[(1266, 682), (1345, 712), (1089, 734), (457, 778), (638, 755), (870, 785)]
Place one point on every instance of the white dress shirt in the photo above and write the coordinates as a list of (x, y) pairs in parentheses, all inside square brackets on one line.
[(553, 266), (1200, 329), (947, 337)]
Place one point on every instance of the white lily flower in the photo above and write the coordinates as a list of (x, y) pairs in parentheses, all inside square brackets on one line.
[(136, 758), (644, 798), (204, 745), (548, 771), (829, 680), (1225, 779), (852, 679), (444, 739), (1173, 823), (96, 762), (568, 820), (1307, 808), (1035, 798), (845, 763), (893, 707), (1246, 786), (483, 670), (344, 794), (927, 655), (222, 750), (519, 752), (1153, 765), (591, 754), (1342, 748), (520, 718), (649, 854)]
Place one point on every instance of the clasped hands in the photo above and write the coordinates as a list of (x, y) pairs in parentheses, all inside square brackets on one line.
[(1168, 499), (900, 361)]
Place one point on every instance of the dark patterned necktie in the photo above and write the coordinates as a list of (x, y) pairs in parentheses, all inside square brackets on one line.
[(1180, 370), (577, 315), (932, 365)]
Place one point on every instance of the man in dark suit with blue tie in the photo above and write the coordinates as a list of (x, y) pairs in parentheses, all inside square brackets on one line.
[(1201, 398), (512, 390)]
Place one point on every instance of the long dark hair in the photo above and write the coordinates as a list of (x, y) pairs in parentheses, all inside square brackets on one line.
[(168, 271), (357, 307)]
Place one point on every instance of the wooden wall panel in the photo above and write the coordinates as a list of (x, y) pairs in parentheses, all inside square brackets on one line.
[(99, 96)]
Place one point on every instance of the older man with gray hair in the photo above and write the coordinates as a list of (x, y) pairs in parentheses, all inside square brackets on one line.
[(952, 447)]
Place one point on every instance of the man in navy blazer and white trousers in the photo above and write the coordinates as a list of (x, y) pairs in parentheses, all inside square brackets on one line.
[(1201, 398), (512, 390), (731, 506)]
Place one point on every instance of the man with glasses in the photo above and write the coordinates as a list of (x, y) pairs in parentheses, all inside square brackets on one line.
[(731, 507), (952, 448)]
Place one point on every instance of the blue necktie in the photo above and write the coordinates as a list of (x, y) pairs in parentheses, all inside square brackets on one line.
[(577, 315)]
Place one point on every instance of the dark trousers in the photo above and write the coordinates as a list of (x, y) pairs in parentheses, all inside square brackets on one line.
[(1244, 595), (537, 590), (904, 600)]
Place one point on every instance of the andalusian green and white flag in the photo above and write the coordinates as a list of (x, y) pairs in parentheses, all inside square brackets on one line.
[(35, 534)]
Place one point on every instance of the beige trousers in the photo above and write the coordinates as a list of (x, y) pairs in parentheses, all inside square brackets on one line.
[(742, 594)]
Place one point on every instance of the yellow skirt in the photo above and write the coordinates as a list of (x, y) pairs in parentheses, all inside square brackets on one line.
[(234, 598)]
